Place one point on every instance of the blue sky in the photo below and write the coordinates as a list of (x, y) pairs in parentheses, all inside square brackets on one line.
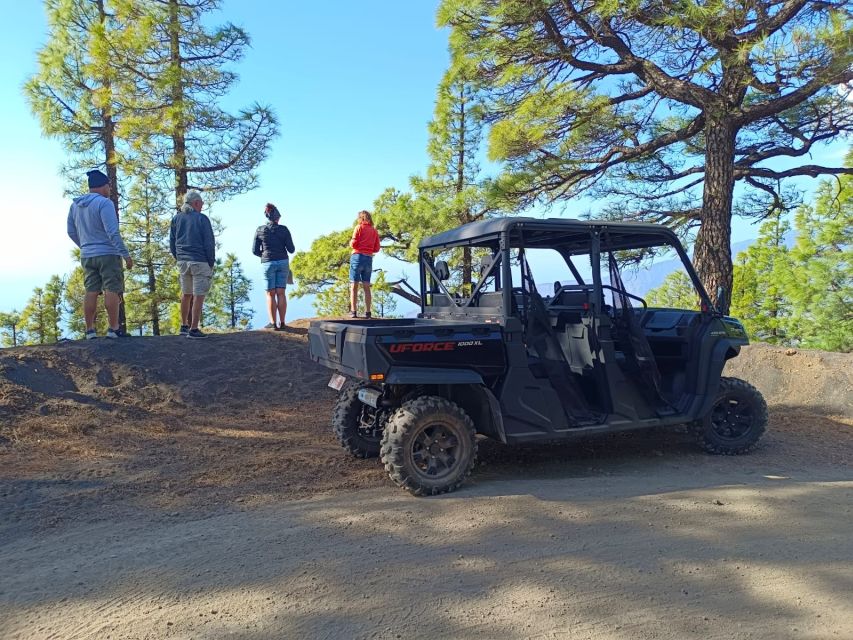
[(354, 89), (353, 84)]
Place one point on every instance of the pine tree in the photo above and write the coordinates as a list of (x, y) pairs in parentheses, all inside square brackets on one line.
[(73, 92), (75, 292), (229, 296), (84, 92), (676, 292), (181, 129), (54, 291), (152, 287), (763, 304), (36, 319), (660, 107), (384, 302), (10, 328), (821, 284)]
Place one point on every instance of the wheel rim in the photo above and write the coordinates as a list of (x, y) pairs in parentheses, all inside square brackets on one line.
[(369, 424), (731, 418), (435, 451)]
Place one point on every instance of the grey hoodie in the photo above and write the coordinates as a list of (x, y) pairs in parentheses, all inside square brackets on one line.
[(93, 226)]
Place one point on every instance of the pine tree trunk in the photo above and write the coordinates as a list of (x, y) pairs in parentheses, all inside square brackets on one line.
[(108, 137), (179, 143), (149, 266), (152, 291), (231, 298), (712, 255)]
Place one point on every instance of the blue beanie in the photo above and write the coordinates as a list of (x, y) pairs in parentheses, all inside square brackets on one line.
[(96, 179)]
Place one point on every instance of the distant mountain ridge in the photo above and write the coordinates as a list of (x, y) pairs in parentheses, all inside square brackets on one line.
[(643, 280)]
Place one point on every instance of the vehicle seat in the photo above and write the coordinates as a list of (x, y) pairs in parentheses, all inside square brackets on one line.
[(442, 270)]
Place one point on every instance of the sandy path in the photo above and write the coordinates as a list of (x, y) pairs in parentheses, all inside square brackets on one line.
[(688, 551)]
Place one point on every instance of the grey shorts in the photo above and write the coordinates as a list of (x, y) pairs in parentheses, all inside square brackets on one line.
[(195, 277)]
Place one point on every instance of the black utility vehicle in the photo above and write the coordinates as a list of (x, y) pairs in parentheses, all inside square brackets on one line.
[(504, 359)]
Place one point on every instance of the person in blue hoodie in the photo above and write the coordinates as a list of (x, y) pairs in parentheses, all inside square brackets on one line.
[(192, 244), (93, 226)]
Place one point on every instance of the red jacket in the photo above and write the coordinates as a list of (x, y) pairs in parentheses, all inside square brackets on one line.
[(365, 240)]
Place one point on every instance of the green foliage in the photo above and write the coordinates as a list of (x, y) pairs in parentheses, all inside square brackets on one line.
[(334, 299), (225, 306), (384, 302), (177, 125), (73, 90), (75, 292), (53, 293), (10, 328), (802, 296), (762, 284), (41, 320), (36, 319), (821, 286), (657, 109), (676, 292), (151, 287)]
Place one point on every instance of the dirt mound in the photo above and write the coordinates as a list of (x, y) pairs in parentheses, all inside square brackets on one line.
[(817, 381), (174, 423), (230, 371)]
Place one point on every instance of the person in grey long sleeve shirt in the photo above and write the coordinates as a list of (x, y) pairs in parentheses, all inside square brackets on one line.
[(192, 244), (93, 226)]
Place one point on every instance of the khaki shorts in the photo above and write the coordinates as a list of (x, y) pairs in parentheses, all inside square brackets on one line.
[(195, 277), (103, 273)]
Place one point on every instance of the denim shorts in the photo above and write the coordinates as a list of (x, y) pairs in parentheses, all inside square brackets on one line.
[(360, 267), (275, 271)]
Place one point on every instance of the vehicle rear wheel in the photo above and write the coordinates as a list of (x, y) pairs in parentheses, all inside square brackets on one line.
[(358, 426), (429, 446), (736, 421)]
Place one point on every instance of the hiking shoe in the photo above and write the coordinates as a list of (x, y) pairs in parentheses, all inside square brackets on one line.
[(368, 315), (196, 333), (116, 333), (91, 334), (184, 330), (353, 314), (281, 327), (269, 325)]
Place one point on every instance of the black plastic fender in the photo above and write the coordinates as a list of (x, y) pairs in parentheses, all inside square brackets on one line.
[(722, 351), (432, 375)]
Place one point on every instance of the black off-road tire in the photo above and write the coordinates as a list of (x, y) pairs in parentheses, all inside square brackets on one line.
[(736, 421), (429, 446), (347, 423)]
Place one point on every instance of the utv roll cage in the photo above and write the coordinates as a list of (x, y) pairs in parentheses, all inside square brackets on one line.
[(500, 236)]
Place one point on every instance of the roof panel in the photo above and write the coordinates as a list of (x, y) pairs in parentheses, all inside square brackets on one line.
[(485, 230)]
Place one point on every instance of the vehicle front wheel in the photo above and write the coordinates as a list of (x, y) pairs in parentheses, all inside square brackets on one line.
[(358, 426), (736, 421), (429, 446)]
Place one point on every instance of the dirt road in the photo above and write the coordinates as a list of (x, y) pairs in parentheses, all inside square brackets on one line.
[(177, 517), (660, 549)]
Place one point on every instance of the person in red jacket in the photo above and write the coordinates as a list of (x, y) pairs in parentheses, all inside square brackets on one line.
[(365, 244)]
